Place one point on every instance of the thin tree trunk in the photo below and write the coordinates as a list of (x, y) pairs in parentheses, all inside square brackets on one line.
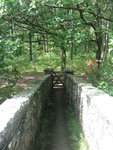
[(44, 45), (106, 41), (71, 48), (47, 43), (106, 36), (99, 37), (39, 41), (63, 59), (12, 31), (98, 51), (30, 46)]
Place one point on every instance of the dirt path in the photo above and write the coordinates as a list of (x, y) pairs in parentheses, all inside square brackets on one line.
[(21, 84), (59, 140)]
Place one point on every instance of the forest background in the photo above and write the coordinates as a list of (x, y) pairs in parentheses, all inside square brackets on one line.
[(36, 34)]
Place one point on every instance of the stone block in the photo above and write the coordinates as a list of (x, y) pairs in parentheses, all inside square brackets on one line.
[(94, 109), (20, 116)]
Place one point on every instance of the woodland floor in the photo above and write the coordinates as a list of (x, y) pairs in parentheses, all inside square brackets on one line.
[(21, 84), (27, 78)]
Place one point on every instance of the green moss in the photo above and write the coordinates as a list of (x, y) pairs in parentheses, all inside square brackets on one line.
[(76, 136)]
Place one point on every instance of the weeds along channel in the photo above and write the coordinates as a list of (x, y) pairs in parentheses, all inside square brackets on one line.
[(76, 136)]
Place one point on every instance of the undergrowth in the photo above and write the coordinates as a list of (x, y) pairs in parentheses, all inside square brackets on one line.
[(76, 136), (103, 78), (7, 92)]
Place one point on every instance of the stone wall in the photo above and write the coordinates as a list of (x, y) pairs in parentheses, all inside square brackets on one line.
[(20, 116), (94, 108)]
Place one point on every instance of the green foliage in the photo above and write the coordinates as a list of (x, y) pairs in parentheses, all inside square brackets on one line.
[(7, 92), (58, 25), (76, 136), (103, 85), (103, 78), (111, 56), (106, 81), (10, 51)]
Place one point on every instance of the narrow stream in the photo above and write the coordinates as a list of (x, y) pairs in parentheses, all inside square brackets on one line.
[(59, 131)]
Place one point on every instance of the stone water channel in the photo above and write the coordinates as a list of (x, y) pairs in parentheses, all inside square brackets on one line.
[(59, 139), (59, 131), (20, 116)]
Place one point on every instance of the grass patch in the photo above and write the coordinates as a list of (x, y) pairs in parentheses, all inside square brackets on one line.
[(76, 136)]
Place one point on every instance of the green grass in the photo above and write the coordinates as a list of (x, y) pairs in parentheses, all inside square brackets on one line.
[(76, 136), (44, 60), (53, 60)]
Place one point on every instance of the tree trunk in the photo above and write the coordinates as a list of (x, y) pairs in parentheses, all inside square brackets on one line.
[(12, 31), (71, 46), (99, 36), (71, 49), (39, 40), (106, 36), (99, 48), (44, 45), (30, 46), (47, 43), (63, 59), (106, 41)]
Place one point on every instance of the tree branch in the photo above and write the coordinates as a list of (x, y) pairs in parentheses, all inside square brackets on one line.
[(82, 17), (77, 9)]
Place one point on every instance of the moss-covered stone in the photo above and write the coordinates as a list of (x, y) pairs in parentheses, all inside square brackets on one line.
[(20, 116), (93, 108)]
